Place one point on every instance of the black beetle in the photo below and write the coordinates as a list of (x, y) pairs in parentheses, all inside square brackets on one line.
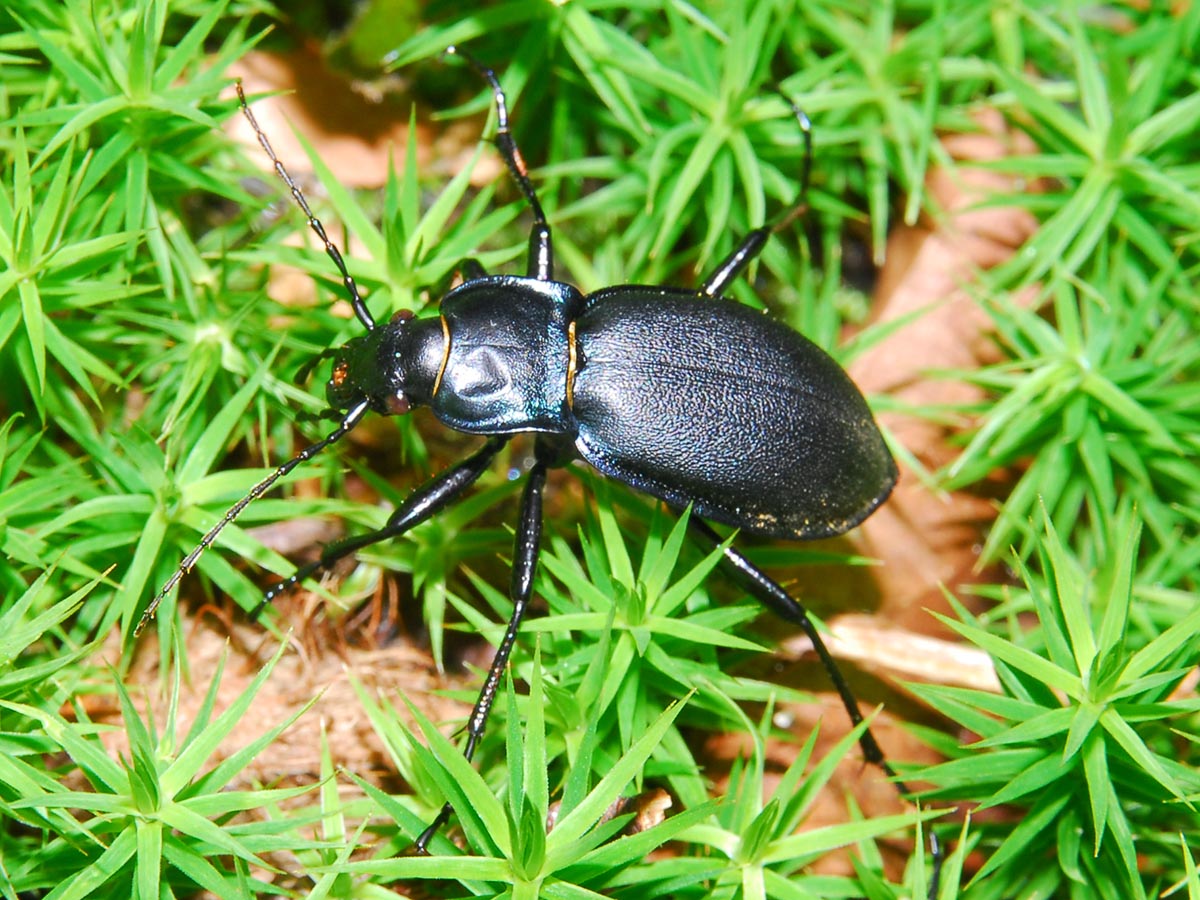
[(681, 394)]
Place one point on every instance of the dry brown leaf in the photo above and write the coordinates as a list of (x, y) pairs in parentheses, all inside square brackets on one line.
[(927, 539)]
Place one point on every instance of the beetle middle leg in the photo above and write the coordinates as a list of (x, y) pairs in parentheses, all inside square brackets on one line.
[(427, 500), (548, 453), (752, 244)]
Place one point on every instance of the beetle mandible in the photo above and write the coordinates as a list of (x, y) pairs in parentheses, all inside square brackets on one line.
[(682, 394)]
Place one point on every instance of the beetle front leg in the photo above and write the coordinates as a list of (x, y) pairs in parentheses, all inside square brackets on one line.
[(524, 567), (541, 242), (471, 269), (427, 500)]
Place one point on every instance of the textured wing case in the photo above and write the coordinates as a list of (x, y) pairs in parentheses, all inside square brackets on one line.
[(713, 403)]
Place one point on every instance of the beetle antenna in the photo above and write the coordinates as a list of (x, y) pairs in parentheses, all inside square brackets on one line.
[(541, 264), (356, 300), (352, 418)]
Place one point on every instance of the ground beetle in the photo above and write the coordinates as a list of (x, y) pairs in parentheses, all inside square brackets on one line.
[(682, 394)]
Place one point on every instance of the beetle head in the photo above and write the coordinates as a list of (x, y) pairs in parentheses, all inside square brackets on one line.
[(388, 366)]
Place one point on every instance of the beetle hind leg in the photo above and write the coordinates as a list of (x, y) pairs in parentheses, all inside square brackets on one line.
[(772, 595)]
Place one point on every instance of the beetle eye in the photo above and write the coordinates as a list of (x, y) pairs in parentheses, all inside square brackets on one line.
[(402, 315), (397, 404)]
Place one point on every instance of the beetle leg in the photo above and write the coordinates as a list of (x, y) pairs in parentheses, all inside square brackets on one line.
[(524, 567), (752, 244), (427, 500), (541, 252), (770, 593), (733, 265), (306, 368)]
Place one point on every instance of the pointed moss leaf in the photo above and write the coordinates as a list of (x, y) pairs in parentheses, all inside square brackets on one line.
[(819, 841), (528, 838), (1084, 718), (184, 50), (87, 882), (535, 756), (101, 770), (1023, 660), (760, 831), (629, 849), (677, 594), (187, 764), (183, 819), (572, 826), (204, 453), (1131, 742), (656, 575), (149, 858), (1029, 832), (464, 869), (614, 546), (1037, 777), (1095, 769), (1037, 727), (1184, 633)]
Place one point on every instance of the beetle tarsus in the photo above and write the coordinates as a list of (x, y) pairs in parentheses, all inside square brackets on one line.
[(526, 547)]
